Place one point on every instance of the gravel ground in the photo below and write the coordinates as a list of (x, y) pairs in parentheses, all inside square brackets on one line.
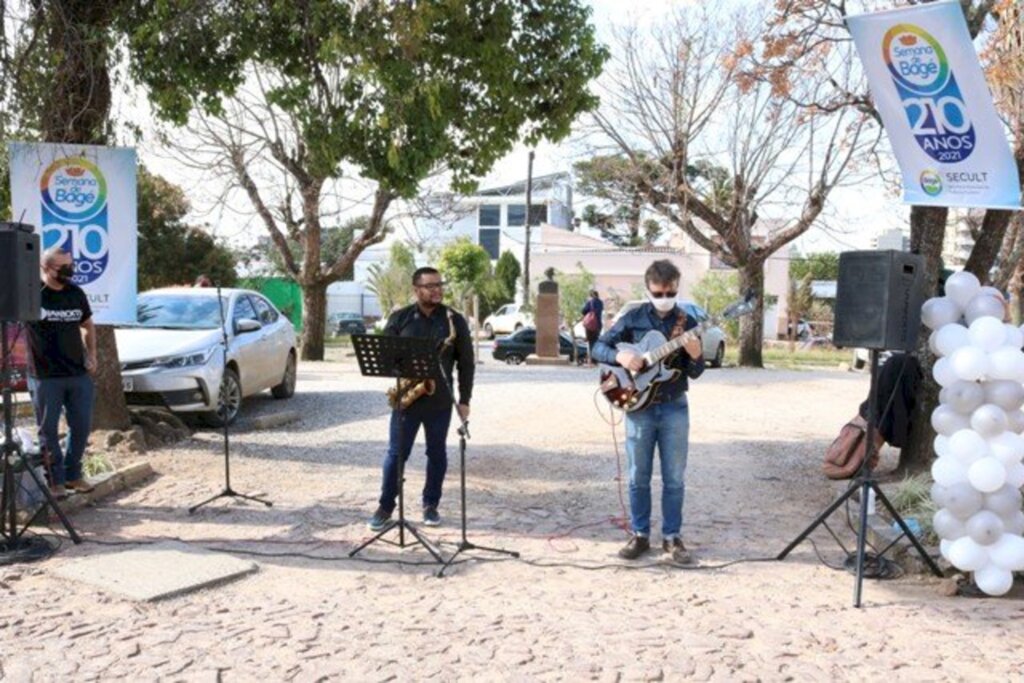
[(543, 480)]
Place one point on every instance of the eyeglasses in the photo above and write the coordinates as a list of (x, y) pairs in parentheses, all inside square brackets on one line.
[(663, 295), (433, 286)]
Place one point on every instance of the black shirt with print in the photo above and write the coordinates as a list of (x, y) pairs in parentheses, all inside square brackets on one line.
[(55, 341)]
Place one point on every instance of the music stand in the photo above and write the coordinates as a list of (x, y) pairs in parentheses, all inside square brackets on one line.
[(865, 482), (402, 358)]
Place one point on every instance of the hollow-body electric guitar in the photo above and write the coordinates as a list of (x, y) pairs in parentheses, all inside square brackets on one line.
[(630, 391)]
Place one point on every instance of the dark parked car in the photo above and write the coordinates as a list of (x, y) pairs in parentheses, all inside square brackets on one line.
[(516, 347), (341, 324)]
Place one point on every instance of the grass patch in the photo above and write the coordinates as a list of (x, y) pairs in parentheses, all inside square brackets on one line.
[(913, 498), (96, 464), (781, 357)]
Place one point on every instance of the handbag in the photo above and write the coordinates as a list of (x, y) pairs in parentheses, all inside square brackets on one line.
[(844, 456), (590, 322)]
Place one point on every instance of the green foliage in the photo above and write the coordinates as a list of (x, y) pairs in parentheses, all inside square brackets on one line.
[(395, 89), (913, 498), (573, 292), (334, 242), (95, 464), (820, 266), (714, 292), (172, 252), (464, 266), (392, 283), (506, 273)]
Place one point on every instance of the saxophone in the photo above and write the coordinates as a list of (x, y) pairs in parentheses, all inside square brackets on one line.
[(411, 390)]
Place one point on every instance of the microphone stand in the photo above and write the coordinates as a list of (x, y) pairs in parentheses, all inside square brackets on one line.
[(228, 492), (463, 430)]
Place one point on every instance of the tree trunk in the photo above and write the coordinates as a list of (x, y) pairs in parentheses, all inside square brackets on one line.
[(990, 241), (77, 111), (314, 317), (927, 232), (752, 326)]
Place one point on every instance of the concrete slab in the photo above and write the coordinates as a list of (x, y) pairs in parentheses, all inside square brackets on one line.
[(157, 571)]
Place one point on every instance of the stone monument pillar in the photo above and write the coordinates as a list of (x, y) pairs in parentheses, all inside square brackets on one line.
[(547, 320)]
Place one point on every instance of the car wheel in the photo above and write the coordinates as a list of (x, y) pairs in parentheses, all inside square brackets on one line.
[(229, 402), (716, 362), (858, 362), (286, 389), (513, 359), (488, 331)]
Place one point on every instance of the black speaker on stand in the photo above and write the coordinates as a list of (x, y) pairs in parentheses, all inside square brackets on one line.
[(20, 290), (878, 306)]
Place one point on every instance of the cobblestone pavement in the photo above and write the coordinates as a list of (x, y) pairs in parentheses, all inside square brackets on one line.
[(543, 481)]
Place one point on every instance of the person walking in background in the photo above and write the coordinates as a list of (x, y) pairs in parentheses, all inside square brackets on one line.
[(593, 321), (62, 358)]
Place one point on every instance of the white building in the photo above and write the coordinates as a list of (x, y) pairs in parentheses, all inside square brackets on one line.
[(893, 238)]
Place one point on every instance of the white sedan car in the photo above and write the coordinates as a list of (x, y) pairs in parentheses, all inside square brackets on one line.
[(506, 320), (174, 355)]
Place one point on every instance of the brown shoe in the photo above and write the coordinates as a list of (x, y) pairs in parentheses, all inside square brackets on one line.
[(637, 546), (674, 545), (79, 485), (58, 491)]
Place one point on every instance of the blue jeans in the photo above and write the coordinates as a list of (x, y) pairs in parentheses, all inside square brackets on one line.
[(73, 395), (404, 428), (666, 425)]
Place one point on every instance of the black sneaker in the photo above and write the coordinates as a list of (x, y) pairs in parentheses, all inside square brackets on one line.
[(379, 520), (430, 516), (674, 545), (637, 546)]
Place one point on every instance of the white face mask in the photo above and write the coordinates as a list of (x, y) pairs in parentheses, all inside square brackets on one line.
[(663, 305)]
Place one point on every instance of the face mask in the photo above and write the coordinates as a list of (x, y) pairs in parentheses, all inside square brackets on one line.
[(663, 305), (64, 274)]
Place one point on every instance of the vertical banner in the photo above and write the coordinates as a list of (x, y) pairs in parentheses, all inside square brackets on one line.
[(938, 113), (83, 198)]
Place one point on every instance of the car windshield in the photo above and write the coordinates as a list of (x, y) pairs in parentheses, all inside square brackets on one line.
[(179, 312)]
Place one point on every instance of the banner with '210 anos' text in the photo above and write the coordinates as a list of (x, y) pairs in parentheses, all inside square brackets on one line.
[(83, 198), (938, 113)]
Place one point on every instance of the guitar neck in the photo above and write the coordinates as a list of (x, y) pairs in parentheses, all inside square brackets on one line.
[(658, 354)]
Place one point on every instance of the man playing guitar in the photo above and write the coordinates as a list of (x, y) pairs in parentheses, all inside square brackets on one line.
[(665, 420)]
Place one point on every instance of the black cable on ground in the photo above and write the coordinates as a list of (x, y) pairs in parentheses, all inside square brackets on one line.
[(29, 547)]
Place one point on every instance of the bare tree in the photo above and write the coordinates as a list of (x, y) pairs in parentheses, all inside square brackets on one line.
[(728, 160)]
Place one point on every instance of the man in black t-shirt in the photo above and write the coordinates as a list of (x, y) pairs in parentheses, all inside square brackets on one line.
[(62, 356)]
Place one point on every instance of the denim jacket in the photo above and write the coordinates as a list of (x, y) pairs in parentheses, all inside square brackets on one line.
[(633, 326)]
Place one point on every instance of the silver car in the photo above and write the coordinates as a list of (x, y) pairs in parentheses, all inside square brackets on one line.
[(174, 355)]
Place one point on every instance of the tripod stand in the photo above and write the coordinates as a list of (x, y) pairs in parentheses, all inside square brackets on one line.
[(865, 483), (463, 431), (13, 541), (404, 358), (228, 492)]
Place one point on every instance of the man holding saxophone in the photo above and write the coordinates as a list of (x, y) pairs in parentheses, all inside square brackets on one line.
[(426, 403)]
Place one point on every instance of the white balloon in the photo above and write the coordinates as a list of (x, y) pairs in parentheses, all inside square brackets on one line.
[(987, 333), (963, 500), (984, 306), (1005, 393), (987, 475), (1015, 475), (967, 446), (970, 363), (947, 526), (939, 495), (932, 340), (951, 337), (989, 290), (1015, 523), (1014, 337), (944, 546), (966, 555), (989, 420), (941, 444), (1008, 553), (948, 471), (1016, 420), (963, 397), (946, 422), (943, 372), (1006, 362), (1007, 447), (1005, 502), (961, 287), (985, 527), (940, 311), (994, 581)]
